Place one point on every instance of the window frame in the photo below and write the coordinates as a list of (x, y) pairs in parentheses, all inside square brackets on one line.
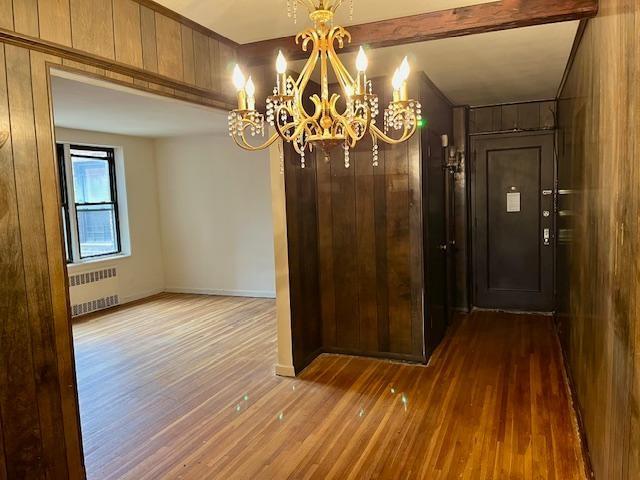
[(64, 202), (67, 183)]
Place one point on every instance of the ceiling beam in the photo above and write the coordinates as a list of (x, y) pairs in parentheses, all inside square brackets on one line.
[(455, 22)]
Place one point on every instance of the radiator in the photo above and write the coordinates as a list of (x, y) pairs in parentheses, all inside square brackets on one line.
[(93, 290)]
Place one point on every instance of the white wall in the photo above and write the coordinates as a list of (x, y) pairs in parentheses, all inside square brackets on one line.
[(140, 273), (215, 217)]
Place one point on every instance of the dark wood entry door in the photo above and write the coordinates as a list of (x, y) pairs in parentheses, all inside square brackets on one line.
[(513, 227), (435, 240)]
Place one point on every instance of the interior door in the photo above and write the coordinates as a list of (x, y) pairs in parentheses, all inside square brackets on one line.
[(435, 239), (513, 229)]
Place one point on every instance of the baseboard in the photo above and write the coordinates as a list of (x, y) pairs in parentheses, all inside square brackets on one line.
[(285, 370), (224, 293), (140, 296), (577, 417), (399, 357)]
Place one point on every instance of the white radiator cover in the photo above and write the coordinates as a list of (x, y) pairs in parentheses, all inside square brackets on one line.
[(93, 290)]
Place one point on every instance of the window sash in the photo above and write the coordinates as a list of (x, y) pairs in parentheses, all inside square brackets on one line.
[(72, 207)]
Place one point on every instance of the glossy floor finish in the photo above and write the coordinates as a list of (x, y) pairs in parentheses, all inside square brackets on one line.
[(182, 387)]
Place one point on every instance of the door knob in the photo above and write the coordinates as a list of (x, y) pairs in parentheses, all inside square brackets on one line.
[(443, 247)]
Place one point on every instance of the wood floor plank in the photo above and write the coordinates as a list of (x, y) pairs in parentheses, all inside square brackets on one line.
[(182, 387)]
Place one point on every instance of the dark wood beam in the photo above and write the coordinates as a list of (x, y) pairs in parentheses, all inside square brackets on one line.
[(455, 22)]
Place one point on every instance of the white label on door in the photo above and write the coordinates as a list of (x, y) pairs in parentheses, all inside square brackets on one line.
[(513, 202)]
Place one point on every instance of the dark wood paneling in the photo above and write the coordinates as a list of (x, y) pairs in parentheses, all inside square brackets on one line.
[(369, 240), (599, 236), (188, 57), (365, 226), (454, 22), (214, 55), (302, 233), (202, 60), (439, 121), (512, 117), (18, 391), (345, 254), (325, 252), (226, 62), (34, 251)]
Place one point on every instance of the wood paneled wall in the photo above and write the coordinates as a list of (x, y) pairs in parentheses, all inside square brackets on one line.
[(131, 42), (599, 250), (302, 233), (513, 117), (363, 283)]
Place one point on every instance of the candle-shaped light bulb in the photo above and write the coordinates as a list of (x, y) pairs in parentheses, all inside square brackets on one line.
[(361, 65), (281, 63), (250, 89), (238, 78), (239, 83), (397, 80), (281, 68), (362, 62), (405, 69)]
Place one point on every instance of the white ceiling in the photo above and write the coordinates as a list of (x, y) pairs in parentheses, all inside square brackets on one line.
[(87, 104), (507, 66), (247, 21)]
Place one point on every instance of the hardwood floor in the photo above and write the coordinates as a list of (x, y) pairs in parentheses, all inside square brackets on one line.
[(182, 387)]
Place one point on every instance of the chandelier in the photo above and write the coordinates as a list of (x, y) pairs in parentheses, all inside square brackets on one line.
[(327, 124)]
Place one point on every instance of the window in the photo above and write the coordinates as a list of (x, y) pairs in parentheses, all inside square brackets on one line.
[(89, 201)]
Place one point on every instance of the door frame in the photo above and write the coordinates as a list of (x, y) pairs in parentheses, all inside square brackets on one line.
[(471, 197), (55, 256)]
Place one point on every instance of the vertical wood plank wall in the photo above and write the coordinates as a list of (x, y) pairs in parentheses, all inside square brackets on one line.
[(357, 234), (302, 239), (599, 249), (124, 40)]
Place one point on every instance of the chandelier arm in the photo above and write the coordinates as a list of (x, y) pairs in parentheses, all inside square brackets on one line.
[(308, 120), (344, 77), (352, 135), (305, 74), (406, 134), (296, 133), (251, 148)]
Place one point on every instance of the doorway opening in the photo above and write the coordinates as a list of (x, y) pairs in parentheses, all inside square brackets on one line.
[(169, 247), (512, 206)]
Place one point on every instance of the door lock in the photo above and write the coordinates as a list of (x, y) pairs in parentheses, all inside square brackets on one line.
[(547, 236)]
